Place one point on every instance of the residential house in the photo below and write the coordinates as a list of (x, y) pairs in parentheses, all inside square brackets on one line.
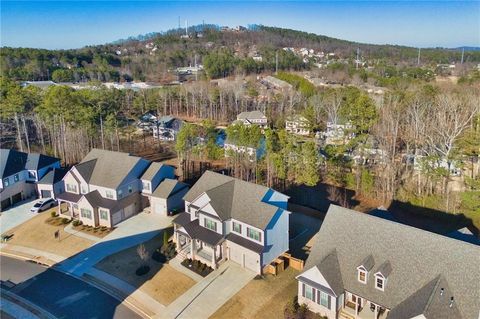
[(227, 218), (338, 134), (298, 125), (275, 83), (366, 267), (252, 118), (52, 183), (253, 151), (167, 128), (163, 192), (104, 188), (20, 173)]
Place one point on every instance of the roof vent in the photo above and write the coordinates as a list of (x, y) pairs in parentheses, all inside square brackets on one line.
[(451, 302), (441, 291)]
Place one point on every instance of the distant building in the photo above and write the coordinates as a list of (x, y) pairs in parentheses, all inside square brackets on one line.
[(338, 134), (298, 125), (167, 128), (252, 118), (274, 83)]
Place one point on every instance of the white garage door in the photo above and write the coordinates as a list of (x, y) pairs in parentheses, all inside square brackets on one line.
[(252, 261), (244, 257), (236, 255), (129, 211), (160, 208), (116, 218)]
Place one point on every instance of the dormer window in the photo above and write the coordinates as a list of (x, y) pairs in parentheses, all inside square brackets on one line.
[(362, 275), (380, 283)]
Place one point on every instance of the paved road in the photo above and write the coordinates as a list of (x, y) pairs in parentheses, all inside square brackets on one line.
[(62, 295)]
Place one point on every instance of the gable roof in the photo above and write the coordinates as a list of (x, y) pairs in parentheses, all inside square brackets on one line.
[(234, 198), (53, 176), (250, 115), (168, 187), (106, 168), (37, 161), (416, 257), (11, 162), (151, 171)]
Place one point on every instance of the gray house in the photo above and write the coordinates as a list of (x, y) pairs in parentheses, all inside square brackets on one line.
[(367, 267), (20, 173), (227, 218)]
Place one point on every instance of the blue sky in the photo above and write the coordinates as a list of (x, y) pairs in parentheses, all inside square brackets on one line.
[(73, 24)]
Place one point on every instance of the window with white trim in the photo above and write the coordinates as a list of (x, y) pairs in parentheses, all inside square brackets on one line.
[(210, 224), (362, 276), (146, 186), (86, 213), (310, 293), (72, 188), (119, 193), (6, 182), (380, 283), (237, 227), (16, 178), (130, 188), (109, 194), (103, 213), (324, 299), (254, 234)]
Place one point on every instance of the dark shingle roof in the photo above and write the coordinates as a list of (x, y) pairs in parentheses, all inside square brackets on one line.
[(330, 269), (37, 161), (416, 257), (234, 198), (246, 243), (11, 162), (53, 176)]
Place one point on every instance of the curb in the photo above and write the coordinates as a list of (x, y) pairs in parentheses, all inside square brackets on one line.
[(94, 283), (27, 305)]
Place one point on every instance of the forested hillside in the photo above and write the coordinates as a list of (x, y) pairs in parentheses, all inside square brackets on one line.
[(153, 57)]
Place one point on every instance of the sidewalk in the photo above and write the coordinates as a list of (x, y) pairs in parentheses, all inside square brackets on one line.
[(69, 229), (31, 253)]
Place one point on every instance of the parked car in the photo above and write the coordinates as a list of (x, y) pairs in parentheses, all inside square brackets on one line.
[(43, 205)]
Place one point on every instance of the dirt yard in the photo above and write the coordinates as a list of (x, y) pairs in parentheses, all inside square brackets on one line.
[(162, 282), (265, 298), (36, 233)]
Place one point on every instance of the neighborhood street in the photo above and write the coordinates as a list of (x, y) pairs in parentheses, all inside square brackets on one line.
[(62, 295)]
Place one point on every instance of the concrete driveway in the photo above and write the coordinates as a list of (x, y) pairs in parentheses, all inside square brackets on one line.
[(16, 215), (131, 232), (208, 295)]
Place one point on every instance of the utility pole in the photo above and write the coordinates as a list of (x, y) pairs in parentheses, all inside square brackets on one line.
[(463, 54), (418, 58), (276, 62), (186, 28)]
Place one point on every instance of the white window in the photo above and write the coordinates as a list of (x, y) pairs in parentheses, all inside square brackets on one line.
[(146, 186), (71, 188), (103, 214), (86, 213), (84, 189), (379, 283), (310, 293), (6, 182), (362, 276), (32, 174), (109, 194), (324, 299), (15, 178), (237, 227), (130, 189), (119, 193), (254, 234), (210, 224)]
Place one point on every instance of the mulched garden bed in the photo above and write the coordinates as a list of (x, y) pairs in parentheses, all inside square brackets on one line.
[(57, 221), (197, 267), (165, 253), (94, 231)]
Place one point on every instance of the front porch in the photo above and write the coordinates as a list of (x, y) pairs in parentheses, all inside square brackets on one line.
[(196, 249), (356, 307), (68, 210)]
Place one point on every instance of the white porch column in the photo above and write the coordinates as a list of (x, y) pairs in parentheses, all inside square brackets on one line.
[(375, 313), (214, 258), (356, 307), (192, 248)]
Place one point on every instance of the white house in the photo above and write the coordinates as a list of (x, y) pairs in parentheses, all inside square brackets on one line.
[(252, 118), (227, 218), (298, 125), (366, 267)]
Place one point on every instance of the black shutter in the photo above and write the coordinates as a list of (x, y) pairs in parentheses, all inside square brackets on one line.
[(303, 290), (329, 301)]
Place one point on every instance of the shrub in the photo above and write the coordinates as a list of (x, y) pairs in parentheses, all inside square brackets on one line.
[(53, 214), (142, 270), (65, 221), (77, 223)]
